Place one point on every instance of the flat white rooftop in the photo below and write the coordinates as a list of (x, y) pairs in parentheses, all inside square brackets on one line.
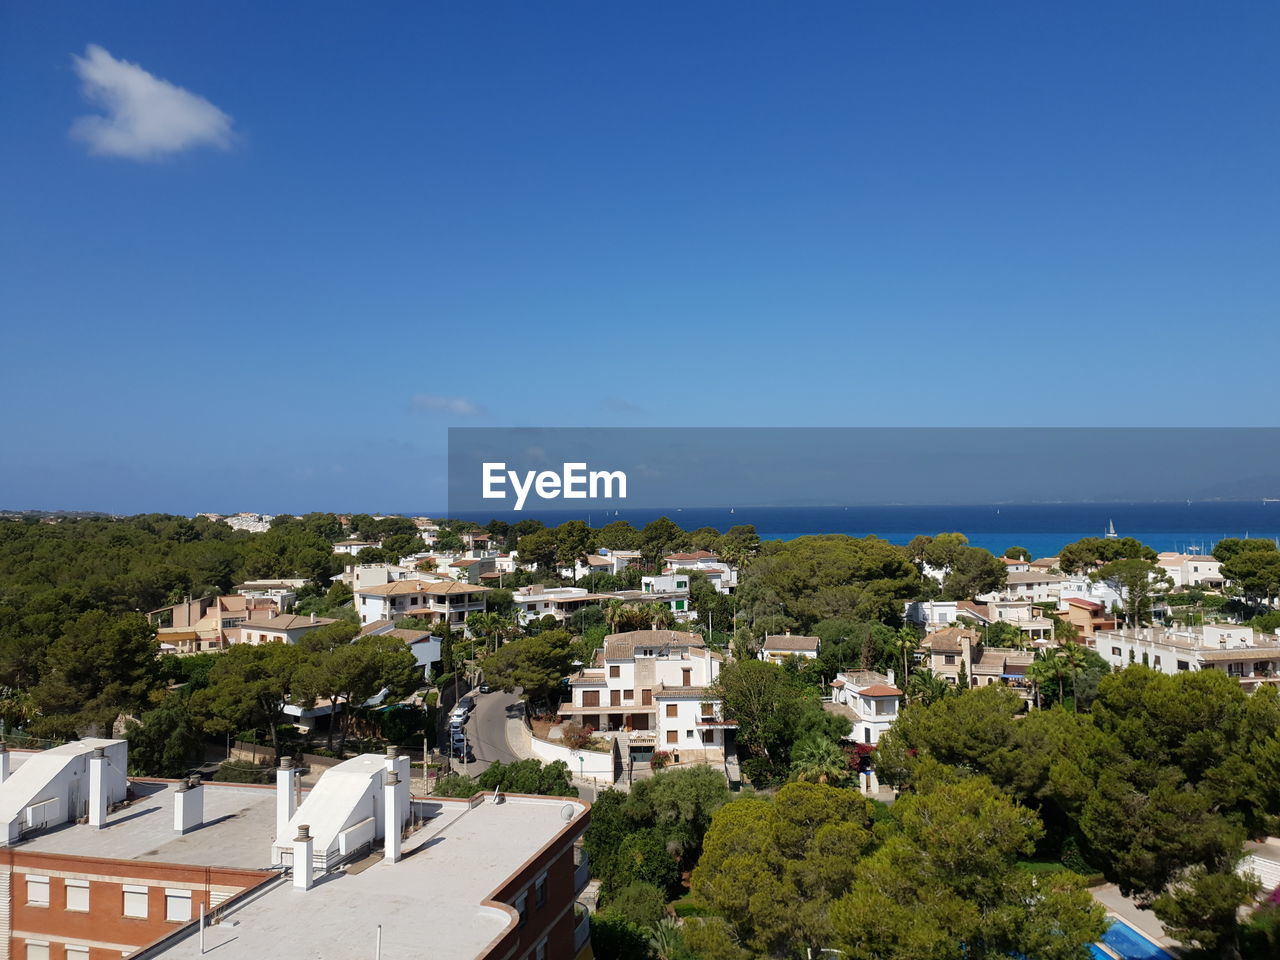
[(428, 904), (239, 827)]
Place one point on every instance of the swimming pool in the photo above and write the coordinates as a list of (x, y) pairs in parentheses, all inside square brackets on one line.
[(1128, 944)]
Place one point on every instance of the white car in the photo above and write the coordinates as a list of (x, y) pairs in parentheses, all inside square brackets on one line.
[(458, 714)]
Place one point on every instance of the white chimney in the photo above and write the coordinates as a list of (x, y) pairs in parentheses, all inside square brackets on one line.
[(394, 816), (303, 866), (4, 762), (286, 803), (98, 788), (188, 805), (891, 676)]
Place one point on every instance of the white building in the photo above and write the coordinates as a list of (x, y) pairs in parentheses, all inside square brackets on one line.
[(720, 574), (536, 601), (931, 614), (1240, 651), (444, 601), (352, 547), (653, 687), (1191, 570), (872, 702), (776, 649), (285, 628)]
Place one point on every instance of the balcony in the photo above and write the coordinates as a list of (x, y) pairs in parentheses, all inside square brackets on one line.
[(581, 930), (581, 875)]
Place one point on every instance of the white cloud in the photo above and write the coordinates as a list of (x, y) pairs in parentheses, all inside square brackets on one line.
[(143, 116), (458, 406)]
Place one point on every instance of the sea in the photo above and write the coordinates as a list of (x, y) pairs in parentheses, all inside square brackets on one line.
[(1042, 528)]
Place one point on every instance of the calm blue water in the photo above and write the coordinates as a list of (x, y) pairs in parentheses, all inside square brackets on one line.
[(1042, 528), (1130, 944)]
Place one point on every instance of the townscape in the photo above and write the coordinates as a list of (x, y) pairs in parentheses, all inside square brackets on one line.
[(632, 743)]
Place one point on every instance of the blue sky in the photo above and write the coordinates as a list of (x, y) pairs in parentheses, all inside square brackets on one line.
[(398, 218)]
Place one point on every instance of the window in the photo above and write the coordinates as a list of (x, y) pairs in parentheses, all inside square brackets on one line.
[(615, 670), (628, 694), (37, 891), (540, 892), (1182, 664), (177, 905), (673, 736), (949, 659), (673, 709), (866, 734), (77, 893), (1115, 651), (37, 950), (1156, 662), (681, 585), (687, 673), (77, 952), (522, 908), (679, 604), (688, 734), (135, 901), (591, 698), (615, 698), (646, 697)]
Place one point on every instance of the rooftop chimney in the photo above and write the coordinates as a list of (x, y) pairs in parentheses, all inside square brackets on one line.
[(286, 804), (891, 676), (394, 816), (303, 865), (98, 788), (4, 762), (188, 805)]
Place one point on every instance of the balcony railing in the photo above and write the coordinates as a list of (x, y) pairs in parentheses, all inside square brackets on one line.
[(582, 930), (581, 876)]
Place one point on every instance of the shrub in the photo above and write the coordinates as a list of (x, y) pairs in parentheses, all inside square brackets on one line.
[(660, 759), (639, 902), (240, 771), (575, 735)]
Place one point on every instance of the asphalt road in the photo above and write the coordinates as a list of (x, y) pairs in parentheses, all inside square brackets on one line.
[(487, 729)]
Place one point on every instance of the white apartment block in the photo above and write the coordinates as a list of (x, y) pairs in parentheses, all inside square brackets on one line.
[(536, 601), (1239, 651), (442, 601), (653, 686)]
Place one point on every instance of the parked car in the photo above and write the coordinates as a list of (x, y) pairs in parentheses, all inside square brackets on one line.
[(458, 714), (467, 703), (457, 746), (484, 688)]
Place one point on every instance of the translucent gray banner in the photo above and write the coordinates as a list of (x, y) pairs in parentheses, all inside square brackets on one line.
[(518, 471)]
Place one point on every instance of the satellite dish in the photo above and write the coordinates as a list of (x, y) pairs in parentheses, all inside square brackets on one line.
[(568, 812)]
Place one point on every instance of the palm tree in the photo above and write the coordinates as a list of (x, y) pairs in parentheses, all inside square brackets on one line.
[(614, 611), (926, 687), (1073, 660), (904, 643), (1056, 669), (1039, 672), (818, 760), (660, 616)]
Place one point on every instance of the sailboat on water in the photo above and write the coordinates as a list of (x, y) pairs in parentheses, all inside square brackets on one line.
[(1111, 530)]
